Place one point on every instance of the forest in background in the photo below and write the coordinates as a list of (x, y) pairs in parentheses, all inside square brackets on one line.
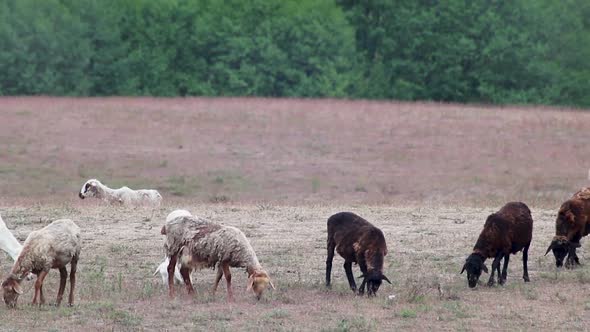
[(473, 51)]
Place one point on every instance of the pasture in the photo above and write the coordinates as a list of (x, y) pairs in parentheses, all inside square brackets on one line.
[(427, 247), (427, 174)]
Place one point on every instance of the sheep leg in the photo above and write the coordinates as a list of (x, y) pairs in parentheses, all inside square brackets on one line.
[(38, 284), (41, 295), (495, 267), (349, 276), (217, 278), (73, 268), (171, 267), (185, 272), (362, 288), (363, 267), (227, 273), (502, 278), (525, 259), (572, 259), (63, 276), (331, 247)]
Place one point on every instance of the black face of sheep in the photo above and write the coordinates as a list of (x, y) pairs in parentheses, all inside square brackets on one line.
[(560, 249), (373, 282), (474, 265), (559, 254)]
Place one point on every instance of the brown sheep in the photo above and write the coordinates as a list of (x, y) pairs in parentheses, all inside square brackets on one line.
[(571, 225), (505, 232), (357, 241)]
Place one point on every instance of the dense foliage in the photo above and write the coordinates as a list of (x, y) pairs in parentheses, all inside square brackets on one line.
[(520, 51)]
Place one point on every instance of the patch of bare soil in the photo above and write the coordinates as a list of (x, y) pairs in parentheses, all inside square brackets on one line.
[(427, 247), (292, 150)]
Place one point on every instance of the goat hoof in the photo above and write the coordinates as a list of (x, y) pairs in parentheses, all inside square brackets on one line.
[(490, 283), (501, 282), (526, 279)]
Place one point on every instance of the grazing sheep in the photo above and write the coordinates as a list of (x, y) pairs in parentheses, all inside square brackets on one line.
[(163, 267), (357, 241), (123, 195), (52, 247), (571, 225), (505, 232), (8, 242), (198, 243)]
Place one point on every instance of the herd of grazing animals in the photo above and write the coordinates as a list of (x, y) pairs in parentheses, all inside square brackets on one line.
[(194, 243)]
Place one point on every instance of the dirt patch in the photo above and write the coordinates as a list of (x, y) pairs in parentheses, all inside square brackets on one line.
[(292, 150), (427, 247)]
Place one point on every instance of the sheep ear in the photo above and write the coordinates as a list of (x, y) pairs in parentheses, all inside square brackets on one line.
[(17, 288), (383, 277), (551, 246), (250, 283), (484, 268)]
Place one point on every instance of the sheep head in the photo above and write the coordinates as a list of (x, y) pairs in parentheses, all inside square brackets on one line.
[(560, 247), (373, 280), (88, 189), (12, 289), (474, 264), (258, 281)]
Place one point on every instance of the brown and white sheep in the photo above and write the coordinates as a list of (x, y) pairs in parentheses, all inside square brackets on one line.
[(52, 247), (357, 241), (198, 243), (505, 232), (572, 223)]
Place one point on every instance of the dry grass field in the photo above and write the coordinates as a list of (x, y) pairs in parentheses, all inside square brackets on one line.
[(427, 174), (293, 151), (427, 247)]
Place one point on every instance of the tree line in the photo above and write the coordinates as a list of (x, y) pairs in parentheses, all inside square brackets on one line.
[(483, 51)]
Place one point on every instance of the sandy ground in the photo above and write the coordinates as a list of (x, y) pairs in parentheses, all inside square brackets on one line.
[(427, 247)]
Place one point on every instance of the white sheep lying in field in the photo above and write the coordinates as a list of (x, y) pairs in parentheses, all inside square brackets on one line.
[(52, 247), (8, 242), (123, 195), (163, 268), (198, 243)]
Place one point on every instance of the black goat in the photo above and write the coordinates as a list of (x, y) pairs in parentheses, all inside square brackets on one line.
[(357, 241), (505, 232)]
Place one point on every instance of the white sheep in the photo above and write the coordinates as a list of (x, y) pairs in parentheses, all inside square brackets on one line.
[(163, 267), (123, 195), (8, 242), (52, 247), (198, 243)]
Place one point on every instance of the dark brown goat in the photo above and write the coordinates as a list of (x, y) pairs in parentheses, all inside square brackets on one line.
[(357, 241), (505, 232), (572, 223)]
